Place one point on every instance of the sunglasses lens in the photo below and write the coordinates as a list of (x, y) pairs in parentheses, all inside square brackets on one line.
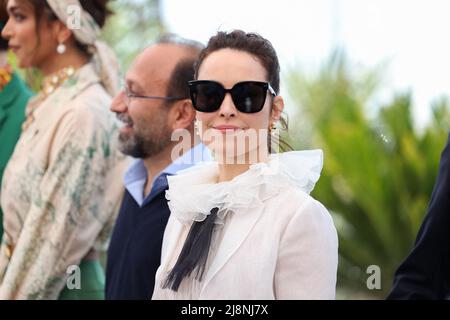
[(207, 96), (249, 97)]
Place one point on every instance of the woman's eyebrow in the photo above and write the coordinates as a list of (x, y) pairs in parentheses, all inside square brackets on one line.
[(17, 6), (13, 9)]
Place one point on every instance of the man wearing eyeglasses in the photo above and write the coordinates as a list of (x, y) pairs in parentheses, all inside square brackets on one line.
[(153, 106)]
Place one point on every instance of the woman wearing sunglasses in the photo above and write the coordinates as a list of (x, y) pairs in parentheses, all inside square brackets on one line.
[(245, 227), (58, 194)]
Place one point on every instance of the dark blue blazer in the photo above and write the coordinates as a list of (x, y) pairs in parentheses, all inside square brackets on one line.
[(425, 274), (135, 250)]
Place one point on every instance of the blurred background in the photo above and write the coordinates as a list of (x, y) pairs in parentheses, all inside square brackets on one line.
[(367, 82)]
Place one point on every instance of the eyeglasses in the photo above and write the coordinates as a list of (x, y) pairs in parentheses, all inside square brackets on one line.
[(129, 96), (247, 96)]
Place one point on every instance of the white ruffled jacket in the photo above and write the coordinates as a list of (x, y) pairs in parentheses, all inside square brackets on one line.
[(279, 243)]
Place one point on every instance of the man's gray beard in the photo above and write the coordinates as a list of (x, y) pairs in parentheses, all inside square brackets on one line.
[(140, 147)]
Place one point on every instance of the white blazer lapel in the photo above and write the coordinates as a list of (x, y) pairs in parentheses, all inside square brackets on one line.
[(238, 230), (171, 238)]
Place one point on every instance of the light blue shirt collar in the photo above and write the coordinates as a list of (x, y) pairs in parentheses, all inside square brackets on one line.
[(136, 175)]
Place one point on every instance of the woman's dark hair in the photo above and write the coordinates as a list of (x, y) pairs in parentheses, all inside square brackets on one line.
[(195, 251), (251, 43), (98, 9), (3, 20)]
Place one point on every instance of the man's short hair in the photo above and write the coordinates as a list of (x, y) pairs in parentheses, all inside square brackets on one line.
[(172, 38), (184, 69)]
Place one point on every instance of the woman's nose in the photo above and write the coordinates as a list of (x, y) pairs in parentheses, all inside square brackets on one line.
[(7, 30), (227, 109)]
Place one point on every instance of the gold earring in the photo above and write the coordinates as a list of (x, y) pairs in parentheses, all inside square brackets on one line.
[(272, 128), (197, 127)]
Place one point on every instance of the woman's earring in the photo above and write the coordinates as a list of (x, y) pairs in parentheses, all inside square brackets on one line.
[(274, 139), (197, 127), (272, 129), (61, 48)]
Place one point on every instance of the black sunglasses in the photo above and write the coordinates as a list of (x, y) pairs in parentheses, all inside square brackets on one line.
[(247, 96)]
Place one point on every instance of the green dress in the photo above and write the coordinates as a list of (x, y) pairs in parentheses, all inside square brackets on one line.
[(92, 283), (13, 100)]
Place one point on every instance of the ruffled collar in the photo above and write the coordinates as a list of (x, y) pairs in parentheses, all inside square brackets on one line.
[(194, 192)]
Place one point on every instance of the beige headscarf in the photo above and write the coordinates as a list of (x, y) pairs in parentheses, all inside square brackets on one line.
[(87, 32)]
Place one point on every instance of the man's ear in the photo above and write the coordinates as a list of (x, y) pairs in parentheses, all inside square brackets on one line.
[(183, 115), (277, 109)]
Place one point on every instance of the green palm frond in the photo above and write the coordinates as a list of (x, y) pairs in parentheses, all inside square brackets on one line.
[(379, 171)]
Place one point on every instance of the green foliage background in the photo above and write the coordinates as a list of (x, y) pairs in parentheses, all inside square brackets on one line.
[(379, 171)]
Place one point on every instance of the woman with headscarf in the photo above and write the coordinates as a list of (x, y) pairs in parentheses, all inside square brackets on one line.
[(58, 196)]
